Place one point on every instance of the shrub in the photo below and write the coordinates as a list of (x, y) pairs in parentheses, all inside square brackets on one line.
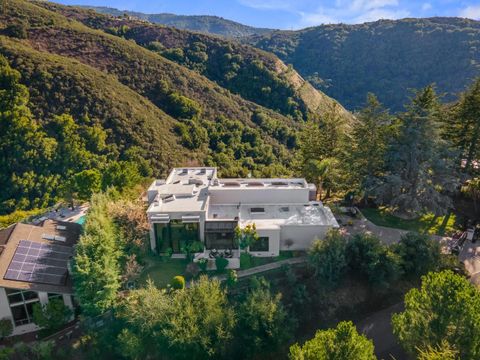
[(418, 253), (221, 263), (232, 277), (6, 328), (203, 263), (328, 257), (178, 282), (18, 30), (51, 316), (369, 257), (245, 260)]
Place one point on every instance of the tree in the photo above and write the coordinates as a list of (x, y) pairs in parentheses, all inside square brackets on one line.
[(96, 268), (366, 153), (262, 321), (320, 149), (328, 257), (370, 258), (443, 352), (418, 254), (195, 323), (83, 185), (464, 126), (340, 343), (445, 308), (472, 189), (246, 236), (121, 175), (318, 171), (51, 316), (420, 170)]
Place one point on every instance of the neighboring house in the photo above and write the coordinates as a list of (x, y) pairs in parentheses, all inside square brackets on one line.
[(192, 204), (34, 261)]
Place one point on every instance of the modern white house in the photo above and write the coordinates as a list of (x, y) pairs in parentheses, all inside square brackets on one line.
[(193, 204), (34, 262)]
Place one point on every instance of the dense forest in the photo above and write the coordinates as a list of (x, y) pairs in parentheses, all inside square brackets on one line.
[(386, 57), (202, 23)]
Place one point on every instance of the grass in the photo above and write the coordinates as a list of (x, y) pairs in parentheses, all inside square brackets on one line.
[(162, 270), (428, 223)]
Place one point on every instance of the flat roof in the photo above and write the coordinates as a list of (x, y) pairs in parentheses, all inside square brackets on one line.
[(313, 213), (67, 231)]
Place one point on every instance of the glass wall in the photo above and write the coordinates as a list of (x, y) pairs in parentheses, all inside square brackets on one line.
[(260, 245), (220, 235), (175, 235), (21, 305)]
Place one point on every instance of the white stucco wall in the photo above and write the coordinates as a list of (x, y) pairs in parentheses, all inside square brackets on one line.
[(258, 196), (273, 242), (302, 236), (4, 307)]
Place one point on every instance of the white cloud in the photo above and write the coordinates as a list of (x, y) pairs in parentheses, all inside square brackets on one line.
[(426, 6), (471, 12), (376, 14)]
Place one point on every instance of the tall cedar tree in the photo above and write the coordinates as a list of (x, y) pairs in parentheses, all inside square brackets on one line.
[(420, 168)]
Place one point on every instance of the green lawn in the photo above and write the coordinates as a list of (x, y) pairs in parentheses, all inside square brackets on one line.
[(162, 270), (429, 223)]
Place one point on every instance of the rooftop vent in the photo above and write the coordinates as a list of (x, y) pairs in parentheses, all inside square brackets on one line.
[(231, 184), (284, 209), (184, 172), (255, 184), (48, 237), (202, 171), (169, 198), (60, 238), (279, 183), (61, 227), (257, 210)]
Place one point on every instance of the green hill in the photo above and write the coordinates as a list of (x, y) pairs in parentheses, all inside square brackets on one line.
[(202, 23), (132, 107), (385, 57), (254, 74)]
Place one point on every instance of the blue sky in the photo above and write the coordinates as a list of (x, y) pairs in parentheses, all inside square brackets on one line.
[(295, 14)]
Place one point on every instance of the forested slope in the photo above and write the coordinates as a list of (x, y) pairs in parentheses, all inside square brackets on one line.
[(253, 74), (201, 23), (385, 57)]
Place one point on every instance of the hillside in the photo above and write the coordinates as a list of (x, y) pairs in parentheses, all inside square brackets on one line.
[(230, 64), (209, 119), (202, 23), (385, 57)]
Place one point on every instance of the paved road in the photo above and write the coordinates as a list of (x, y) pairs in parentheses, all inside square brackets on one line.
[(378, 327)]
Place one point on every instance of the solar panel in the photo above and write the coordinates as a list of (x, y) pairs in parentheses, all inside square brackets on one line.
[(39, 263)]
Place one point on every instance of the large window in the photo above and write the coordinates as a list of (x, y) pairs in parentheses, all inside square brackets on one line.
[(260, 245), (175, 235), (220, 235), (21, 304)]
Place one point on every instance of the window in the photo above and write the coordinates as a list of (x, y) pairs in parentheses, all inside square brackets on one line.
[(257, 210), (21, 305), (260, 245)]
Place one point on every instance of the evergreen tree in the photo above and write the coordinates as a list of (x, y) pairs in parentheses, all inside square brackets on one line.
[(463, 129), (96, 269), (366, 155), (420, 169)]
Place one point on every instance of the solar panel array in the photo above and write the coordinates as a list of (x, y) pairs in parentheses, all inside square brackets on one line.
[(39, 263)]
